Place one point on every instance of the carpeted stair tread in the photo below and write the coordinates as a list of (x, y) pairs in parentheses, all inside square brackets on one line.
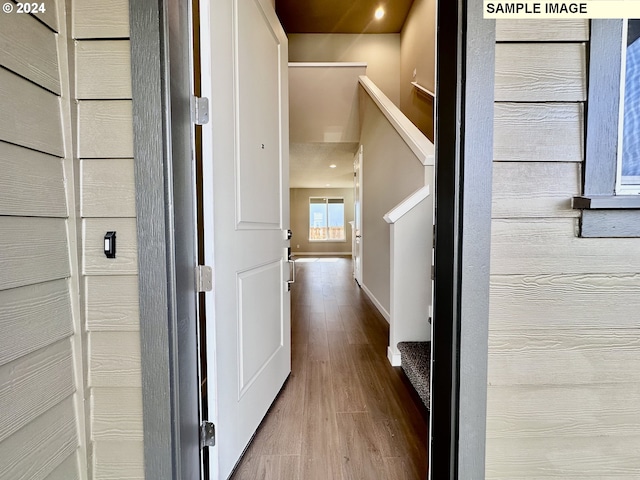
[(416, 363)]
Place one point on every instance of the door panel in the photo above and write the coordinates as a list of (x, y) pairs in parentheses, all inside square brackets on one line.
[(259, 155), (260, 324), (245, 171)]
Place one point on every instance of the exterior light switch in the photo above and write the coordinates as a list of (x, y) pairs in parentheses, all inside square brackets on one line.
[(110, 245)]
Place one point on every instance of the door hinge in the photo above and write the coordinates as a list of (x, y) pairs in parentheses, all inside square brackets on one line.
[(207, 434), (200, 110), (433, 272), (204, 278)]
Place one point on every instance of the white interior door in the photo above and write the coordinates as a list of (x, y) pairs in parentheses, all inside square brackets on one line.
[(246, 207), (357, 216)]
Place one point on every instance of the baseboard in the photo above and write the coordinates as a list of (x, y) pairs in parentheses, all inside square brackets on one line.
[(321, 254), (375, 301), (394, 358)]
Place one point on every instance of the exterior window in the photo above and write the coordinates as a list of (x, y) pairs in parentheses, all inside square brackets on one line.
[(611, 191), (628, 177), (326, 219)]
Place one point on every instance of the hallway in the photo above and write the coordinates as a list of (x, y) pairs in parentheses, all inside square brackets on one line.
[(344, 412)]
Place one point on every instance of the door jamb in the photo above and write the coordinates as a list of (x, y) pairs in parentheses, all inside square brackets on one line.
[(164, 184), (464, 155)]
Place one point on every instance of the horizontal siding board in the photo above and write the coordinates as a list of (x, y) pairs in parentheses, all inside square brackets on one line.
[(563, 411), (32, 250), (535, 189), (117, 460), (97, 19), (117, 414), (604, 458), (103, 69), (550, 246), (23, 384), (105, 129), (33, 317), (50, 15), (35, 56), (32, 183), (551, 72), (112, 303), (39, 448), (554, 357), (114, 359), (31, 115), (107, 188), (93, 258), (68, 470), (530, 302), (531, 30), (538, 132)]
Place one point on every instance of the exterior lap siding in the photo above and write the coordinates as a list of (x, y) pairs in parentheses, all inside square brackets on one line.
[(563, 381)]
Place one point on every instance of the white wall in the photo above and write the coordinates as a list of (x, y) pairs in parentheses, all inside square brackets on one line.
[(418, 53), (331, 95), (390, 172), (381, 52)]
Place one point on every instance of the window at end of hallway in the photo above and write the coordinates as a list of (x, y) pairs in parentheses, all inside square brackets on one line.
[(611, 190), (326, 219)]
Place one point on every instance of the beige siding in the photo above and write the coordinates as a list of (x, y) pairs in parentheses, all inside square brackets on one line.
[(537, 132), (542, 30), (535, 189), (41, 387), (119, 460), (39, 448), (111, 303), (107, 188), (38, 124), (54, 9), (32, 183), (105, 129), (99, 19), (103, 69), (33, 317), (107, 203), (540, 72), (564, 332), (34, 56)]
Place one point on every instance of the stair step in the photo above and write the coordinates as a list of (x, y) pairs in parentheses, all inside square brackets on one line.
[(416, 363)]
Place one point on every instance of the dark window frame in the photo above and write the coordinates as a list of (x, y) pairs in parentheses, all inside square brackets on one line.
[(605, 214)]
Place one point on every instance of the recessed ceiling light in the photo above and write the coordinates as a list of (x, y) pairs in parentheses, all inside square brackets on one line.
[(379, 13), (333, 165), (328, 185)]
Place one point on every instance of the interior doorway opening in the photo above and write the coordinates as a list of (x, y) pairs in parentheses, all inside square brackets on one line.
[(203, 332)]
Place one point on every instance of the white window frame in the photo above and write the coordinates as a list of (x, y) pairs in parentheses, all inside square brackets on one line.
[(344, 218), (622, 188)]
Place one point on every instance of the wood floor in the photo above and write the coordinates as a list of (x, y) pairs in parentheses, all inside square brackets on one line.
[(344, 412)]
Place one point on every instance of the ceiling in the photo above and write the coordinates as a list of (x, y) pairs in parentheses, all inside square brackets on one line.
[(309, 162), (341, 16), (309, 165)]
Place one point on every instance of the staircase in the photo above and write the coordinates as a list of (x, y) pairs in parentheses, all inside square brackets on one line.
[(415, 358)]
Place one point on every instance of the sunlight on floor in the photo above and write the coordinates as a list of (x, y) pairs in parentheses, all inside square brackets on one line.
[(314, 259)]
